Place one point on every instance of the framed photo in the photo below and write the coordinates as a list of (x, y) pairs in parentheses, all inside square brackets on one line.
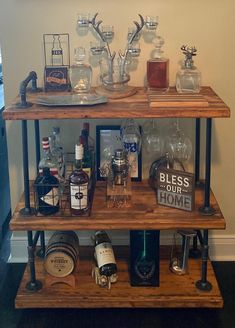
[(108, 139)]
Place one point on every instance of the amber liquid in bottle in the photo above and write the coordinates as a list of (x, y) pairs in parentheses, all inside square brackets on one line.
[(158, 74), (78, 185)]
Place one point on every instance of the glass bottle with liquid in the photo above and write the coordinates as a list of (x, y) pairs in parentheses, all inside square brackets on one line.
[(104, 254), (80, 72), (158, 68), (78, 185), (48, 160)]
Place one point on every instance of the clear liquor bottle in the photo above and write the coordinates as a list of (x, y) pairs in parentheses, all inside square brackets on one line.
[(57, 150), (48, 160), (78, 185), (158, 68), (188, 78), (80, 73)]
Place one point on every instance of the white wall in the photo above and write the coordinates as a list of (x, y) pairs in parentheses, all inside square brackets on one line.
[(209, 25)]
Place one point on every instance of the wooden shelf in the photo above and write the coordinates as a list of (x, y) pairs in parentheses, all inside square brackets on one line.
[(144, 214), (174, 291), (136, 106)]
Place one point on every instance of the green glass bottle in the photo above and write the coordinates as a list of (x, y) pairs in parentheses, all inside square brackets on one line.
[(144, 257)]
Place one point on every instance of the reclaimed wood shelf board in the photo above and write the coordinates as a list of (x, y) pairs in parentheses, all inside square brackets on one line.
[(175, 291), (144, 213), (135, 106), (177, 100)]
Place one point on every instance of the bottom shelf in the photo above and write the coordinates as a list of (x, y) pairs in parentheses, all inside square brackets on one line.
[(174, 291)]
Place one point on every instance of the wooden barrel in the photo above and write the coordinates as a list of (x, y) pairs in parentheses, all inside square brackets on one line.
[(62, 253)]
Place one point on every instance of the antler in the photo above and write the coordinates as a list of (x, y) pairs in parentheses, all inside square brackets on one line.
[(96, 26), (138, 28), (189, 51)]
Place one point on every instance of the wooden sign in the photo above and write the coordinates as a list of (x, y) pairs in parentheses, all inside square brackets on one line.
[(56, 78), (175, 189)]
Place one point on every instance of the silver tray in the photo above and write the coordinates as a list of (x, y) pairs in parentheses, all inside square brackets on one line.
[(71, 100)]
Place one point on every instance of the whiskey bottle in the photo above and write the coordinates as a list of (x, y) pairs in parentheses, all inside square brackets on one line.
[(188, 78), (47, 192), (144, 257), (104, 254), (158, 68), (87, 164), (78, 185), (80, 73), (91, 142), (48, 160)]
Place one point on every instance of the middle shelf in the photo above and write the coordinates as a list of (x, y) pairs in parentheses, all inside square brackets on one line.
[(144, 214)]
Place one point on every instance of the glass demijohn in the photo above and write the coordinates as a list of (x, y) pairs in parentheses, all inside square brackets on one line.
[(188, 78)]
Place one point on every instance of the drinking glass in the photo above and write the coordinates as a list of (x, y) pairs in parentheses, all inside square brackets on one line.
[(151, 22), (178, 145)]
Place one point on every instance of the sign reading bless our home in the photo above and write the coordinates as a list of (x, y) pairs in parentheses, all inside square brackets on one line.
[(176, 189)]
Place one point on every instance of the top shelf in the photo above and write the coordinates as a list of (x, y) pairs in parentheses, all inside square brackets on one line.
[(136, 106)]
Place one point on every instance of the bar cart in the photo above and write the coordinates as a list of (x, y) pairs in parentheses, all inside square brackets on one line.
[(199, 288)]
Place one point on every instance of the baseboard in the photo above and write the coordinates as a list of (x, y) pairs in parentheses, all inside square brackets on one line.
[(222, 247)]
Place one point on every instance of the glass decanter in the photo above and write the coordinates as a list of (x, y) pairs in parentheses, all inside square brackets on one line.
[(158, 68), (80, 73), (188, 78)]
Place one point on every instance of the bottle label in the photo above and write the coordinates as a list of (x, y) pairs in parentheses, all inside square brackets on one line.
[(79, 196), (104, 254), (53, 171), (87, 170), (130, 146), (52, 197)]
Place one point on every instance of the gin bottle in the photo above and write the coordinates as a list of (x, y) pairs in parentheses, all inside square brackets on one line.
[(188, 78), (47, 192), (48, 160), (80, 73), (158, 68)]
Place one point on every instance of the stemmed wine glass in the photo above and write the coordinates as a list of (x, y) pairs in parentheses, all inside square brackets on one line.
[(177, 144), (152, 139)]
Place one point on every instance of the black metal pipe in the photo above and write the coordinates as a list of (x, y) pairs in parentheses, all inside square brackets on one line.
[(208, 163), (42, 242), (35, 238), (197, 151), (204, 284), (27, 209), (33, 284), (207, 209), (37, 142), (31, 257)]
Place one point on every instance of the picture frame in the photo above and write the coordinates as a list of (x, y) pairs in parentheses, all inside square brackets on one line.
[(108, 139)]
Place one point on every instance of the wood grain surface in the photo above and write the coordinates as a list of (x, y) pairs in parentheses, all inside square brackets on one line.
[(144, 213), (135, 106), (174, 291)]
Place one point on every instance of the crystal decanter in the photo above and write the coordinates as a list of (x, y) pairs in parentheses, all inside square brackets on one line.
[(188, 78), (158, 68)]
